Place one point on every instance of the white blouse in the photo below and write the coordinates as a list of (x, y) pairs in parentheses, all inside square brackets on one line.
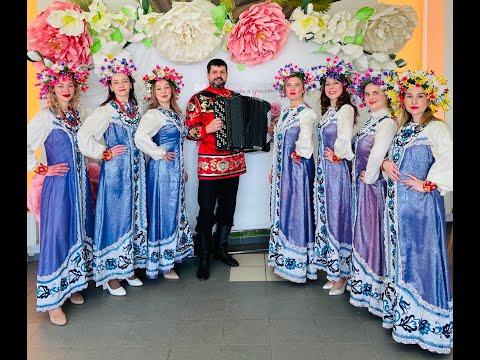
[(90, 135), (150, 124), (304, 144), (343, 144)]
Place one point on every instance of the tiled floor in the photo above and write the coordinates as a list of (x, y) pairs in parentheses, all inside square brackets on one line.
[(247, 313)]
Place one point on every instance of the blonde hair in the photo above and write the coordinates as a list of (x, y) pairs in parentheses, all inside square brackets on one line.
[(173, 99), (52, 100), (404, 116)]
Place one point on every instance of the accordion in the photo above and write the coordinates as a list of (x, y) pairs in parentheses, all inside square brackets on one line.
[(245, 121)]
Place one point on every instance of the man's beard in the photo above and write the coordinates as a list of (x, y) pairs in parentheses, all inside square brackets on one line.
[(218, 85)]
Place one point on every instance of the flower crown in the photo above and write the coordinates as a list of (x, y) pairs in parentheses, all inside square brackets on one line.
[(286, 73), (434, 85), (336, 69), (159, 73), (387, 80), (110, 67), (50, 76)]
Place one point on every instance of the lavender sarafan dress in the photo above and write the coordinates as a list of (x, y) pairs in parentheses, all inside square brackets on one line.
[(333, 194), (66, 217), (370, 144), (291, 197), (169, 237), (418, 303)]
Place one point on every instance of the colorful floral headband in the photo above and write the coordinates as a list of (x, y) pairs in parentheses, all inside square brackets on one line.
[(387, 80), (434, 85), (286, 73), (115, 66), (159, 73), (335, 69), (50, 76)]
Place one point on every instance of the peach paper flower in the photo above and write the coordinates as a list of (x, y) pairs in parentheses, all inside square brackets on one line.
[(260, 33), (57, 47)]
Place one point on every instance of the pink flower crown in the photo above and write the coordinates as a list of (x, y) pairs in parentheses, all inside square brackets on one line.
[(335, 69), (435, 87), (50, 76), (115, 66), (158, 73), (386, 80), (288, 71)]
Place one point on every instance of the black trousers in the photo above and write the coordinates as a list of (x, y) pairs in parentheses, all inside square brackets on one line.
[(209, 192)]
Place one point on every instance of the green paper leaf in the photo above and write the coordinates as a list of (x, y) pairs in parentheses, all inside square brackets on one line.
[(125, 11), (218, 14), (392, 56), (400, 63), (321, 49), (348, 39), (97, 45), (117, 35), (241, 67), (145, 6), (229, 4), (224, 46), (148, 43), (359, 39), (364, 13), (34, 56)]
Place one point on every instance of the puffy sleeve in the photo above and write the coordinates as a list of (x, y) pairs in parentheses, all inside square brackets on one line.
[(441, 172), (343, 143), (384, 134), (152, 121), (304, 143), (38, 130), (90, 135)]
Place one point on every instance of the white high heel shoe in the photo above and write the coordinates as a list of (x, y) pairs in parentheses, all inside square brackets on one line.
[(115, 292), (171, 275), (328, 285), (134, 282), (340, 291)]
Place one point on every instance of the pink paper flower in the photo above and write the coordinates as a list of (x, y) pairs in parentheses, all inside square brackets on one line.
[(260, 33), (47, 40)]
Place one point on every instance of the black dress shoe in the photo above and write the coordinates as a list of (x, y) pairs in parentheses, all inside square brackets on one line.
[(226, 258)]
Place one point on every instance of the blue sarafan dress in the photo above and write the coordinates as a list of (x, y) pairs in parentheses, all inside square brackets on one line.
[(291, 198), (120, 240), (333, 194), (66, 220), (418, 303), (169, 237), (370, 145)]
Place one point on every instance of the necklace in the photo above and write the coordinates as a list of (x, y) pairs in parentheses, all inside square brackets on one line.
[(74, 121), (130, 114)]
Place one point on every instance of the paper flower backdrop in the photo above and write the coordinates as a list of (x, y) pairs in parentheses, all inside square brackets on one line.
[(191, 31)]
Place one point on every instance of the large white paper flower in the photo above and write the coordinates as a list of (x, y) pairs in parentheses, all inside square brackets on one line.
[(304, 23), (68, 22), (339, 26), (185, 33), (389, 28)]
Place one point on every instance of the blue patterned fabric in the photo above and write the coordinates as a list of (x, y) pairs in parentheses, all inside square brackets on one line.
[(66, 221), (291, 202), (120, 241), (418, 303), (169, 237), (368, 249), (333, 209)]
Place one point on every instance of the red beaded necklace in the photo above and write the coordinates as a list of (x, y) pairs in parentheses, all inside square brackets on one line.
[(129, 114)]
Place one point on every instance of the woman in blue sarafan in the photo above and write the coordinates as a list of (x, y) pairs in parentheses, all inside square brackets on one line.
[(291, 198), (120, 239), (370, 146), (333, 180), (417, 300), (66, 217), (160, 135)]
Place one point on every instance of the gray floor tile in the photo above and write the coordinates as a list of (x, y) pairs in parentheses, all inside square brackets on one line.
[(103, 353), (151, 333), (246, 352), (340, 330), (210, 352), (47, 354), (350, 352), (247, 308), (247, 289), (196, 309), (31, 328), (242, 332), (299, 352), (289, 308), (333, 307), (397, 351), (206, 290), (201, 332), (143, 353), (285, 290), (291, 331)]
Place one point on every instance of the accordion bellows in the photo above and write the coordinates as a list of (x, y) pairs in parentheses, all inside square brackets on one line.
[(245, 122)]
